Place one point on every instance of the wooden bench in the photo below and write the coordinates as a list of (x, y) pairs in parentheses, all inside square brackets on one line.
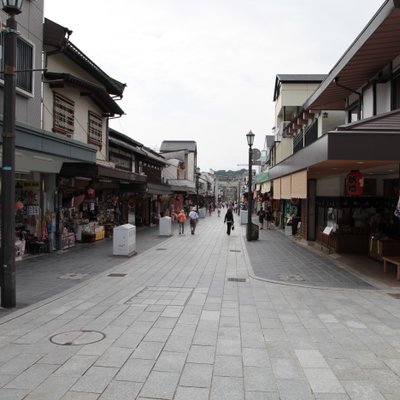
[(393, 260)]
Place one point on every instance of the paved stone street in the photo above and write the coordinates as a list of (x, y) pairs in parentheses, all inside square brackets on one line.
[(186, 319)]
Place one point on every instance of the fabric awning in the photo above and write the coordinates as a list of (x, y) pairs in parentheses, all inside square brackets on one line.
[(265, 187), (276, 184), (286, 187), (158, 188), (299, 185)]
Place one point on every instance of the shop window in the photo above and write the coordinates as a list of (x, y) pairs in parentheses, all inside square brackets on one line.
[(63, 115), (95, 129), (24, 53), (352, 112), (396, 92)]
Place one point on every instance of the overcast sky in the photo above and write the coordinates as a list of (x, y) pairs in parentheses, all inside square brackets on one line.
[(205, 70)]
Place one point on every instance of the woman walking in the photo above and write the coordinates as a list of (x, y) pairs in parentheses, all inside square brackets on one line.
[(229, 220), (181, 221)]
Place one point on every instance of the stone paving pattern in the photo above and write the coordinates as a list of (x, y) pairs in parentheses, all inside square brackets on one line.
[(176, 328)]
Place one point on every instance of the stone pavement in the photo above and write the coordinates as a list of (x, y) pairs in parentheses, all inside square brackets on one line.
[(186, 319)]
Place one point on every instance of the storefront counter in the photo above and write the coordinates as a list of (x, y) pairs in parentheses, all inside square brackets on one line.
[(351, 243), (341, 242)]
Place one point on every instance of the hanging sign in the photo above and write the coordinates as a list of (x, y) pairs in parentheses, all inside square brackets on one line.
[(354, 183)]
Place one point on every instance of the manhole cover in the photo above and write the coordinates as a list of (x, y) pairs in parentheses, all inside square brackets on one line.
[(116, 275), (237, 279), (77, 338), (73, 276)]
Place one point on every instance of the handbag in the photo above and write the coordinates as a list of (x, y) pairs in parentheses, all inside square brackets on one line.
[(233, 227)]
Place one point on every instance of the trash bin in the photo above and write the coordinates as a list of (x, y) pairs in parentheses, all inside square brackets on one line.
[(253, 233), (165, 226), (124, 240)]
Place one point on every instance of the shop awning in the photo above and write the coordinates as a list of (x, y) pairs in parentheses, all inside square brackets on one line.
[(276, 184), (158, 188), (299, 185), (265, 187), (286, 187), (96, 171)]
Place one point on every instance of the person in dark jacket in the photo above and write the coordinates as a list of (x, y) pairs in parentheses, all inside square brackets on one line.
[(229, 220), (261, 217)]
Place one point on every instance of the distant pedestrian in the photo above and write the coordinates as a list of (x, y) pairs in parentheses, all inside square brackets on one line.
[(193, 218), (269, 217), (181, 221), (229, 220), (261, 217)]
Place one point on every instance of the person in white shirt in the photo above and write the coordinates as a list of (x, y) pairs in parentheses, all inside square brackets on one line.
[(193, 217)]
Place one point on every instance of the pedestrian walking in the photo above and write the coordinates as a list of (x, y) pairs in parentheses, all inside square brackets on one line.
[(261, 217), (269, 217), (181, 221), (193, 218), (229, 220)]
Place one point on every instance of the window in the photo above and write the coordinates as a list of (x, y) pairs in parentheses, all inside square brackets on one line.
[(353, 112), (95, 129), (63, 115), (24, 63)]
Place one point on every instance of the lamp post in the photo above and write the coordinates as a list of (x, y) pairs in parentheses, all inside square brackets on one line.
[(12, 8), (197, 188), (250, 141)]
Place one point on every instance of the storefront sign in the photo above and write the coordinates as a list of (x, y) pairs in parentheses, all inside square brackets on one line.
[(354, 183)]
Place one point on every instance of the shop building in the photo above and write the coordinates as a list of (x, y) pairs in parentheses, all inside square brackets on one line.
[(181, 174), (39, 153), (342, 182), (78, 100)]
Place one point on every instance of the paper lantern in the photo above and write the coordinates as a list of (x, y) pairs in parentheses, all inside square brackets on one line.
[(354, 183)]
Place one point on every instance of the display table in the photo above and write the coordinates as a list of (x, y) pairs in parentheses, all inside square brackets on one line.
[(98, 234), (392, 260), (384, 247)]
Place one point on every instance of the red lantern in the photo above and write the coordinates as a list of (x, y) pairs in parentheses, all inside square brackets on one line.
[(354, 183)]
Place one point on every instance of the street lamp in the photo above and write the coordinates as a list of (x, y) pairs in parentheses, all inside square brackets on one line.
[(7, 266), (250, 141), (197, 188)]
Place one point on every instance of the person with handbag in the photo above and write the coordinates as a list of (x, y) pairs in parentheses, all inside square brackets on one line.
[(229, 221)]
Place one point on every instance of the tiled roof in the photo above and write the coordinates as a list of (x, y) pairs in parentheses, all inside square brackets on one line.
[(174, 145)]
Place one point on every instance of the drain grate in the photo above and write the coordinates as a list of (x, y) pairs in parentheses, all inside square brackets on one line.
[(395, 295), (116, 275), (235, 251), (160, 249), (237, 279)]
